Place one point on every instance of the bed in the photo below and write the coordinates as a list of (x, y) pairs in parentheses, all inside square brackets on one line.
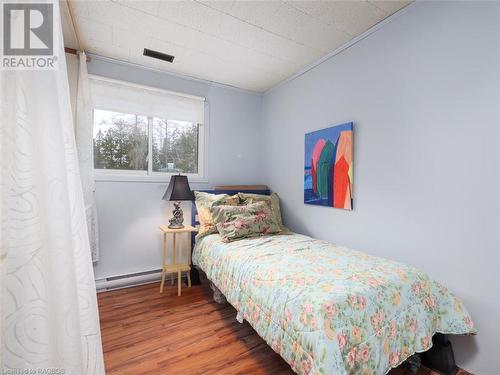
[(327, 309)]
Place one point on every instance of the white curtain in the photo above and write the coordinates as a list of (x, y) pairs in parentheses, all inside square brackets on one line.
[(48, 306), (84, 144)]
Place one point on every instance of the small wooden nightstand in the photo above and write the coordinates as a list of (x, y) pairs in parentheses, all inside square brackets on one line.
[(176, 266)]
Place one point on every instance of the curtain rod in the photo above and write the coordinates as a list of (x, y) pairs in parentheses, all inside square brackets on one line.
[(73, 51)]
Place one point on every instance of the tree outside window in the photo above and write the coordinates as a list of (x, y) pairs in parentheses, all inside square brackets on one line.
[(175, 146), (121, 142)]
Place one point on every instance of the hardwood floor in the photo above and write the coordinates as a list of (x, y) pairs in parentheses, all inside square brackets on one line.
[(145, 332)]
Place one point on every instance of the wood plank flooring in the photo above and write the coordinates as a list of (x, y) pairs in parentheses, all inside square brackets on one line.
[(145, 332)]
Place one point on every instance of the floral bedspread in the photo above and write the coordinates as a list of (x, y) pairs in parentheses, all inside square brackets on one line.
[(327, 309)]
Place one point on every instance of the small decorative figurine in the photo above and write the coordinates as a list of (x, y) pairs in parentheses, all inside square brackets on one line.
[(178, 190)]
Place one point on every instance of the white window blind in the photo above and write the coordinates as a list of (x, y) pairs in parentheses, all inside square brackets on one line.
[(144, 131), (130, 98)]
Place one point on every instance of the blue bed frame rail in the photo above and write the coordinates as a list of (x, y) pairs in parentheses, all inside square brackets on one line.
[(195, 276)]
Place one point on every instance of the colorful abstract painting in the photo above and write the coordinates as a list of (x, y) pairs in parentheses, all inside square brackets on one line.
[(328, 167)]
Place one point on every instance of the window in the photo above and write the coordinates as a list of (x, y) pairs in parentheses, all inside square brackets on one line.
[(153, 136), (121, 143), (174, 146)]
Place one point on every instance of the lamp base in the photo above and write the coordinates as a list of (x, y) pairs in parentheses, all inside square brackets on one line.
[(177, 221), (175, 226)]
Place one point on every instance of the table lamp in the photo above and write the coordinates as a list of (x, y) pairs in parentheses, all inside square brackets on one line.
[(178, 190)]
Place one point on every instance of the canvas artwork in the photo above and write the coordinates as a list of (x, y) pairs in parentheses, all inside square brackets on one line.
[(328, 167)]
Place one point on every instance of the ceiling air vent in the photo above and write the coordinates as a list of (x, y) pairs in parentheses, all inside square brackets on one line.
[(158, 55)]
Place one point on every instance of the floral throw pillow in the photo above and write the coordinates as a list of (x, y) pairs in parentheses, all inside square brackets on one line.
[(236, 222), (273, 202), (204, 202)]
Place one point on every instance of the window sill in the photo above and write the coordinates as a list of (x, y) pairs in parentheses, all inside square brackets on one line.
[(144, 178)]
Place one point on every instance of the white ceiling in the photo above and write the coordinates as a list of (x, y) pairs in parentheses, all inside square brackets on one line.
[(252, 45)]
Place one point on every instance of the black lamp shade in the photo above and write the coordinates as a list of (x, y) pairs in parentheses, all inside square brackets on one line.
[(178, 189)]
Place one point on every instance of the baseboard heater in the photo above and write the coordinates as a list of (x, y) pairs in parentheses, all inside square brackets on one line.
[(131, 279)]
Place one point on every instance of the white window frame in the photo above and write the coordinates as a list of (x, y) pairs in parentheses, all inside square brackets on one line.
[(123, 175)]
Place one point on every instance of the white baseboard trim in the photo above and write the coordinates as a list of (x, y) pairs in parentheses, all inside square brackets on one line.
[(130, 280)]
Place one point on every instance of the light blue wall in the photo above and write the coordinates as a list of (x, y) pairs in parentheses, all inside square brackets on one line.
[(424, 94), (130, 212)]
